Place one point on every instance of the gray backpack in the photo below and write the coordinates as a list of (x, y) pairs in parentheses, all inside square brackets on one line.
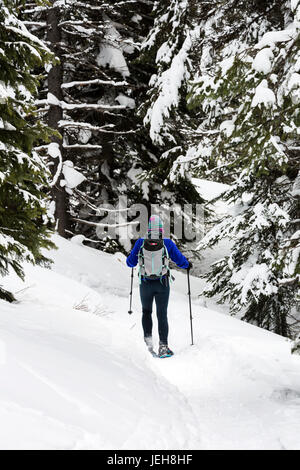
[(153, 259)]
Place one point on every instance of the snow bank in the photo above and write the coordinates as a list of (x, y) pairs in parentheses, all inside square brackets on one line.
[(209, 189)]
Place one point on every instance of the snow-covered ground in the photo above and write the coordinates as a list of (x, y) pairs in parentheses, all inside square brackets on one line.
[(75, 373)]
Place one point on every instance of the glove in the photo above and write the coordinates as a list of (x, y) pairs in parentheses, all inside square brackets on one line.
[(190, 265)]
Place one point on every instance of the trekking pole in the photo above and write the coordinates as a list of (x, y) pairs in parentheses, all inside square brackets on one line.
[(189, 294), (130, 303)]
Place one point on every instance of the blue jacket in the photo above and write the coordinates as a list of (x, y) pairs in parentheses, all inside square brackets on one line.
[(173, 251)]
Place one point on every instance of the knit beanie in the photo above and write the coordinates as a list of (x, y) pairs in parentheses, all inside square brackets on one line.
[(155, 227)]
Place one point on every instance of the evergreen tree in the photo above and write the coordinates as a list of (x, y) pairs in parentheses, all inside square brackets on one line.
[(168, 53), (87, 99), (23, 176), (93, 94), (167, 49), (254, 100), (91, 97), (227, 28)]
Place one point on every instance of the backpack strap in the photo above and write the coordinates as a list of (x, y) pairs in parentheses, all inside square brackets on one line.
[(166, 256), (166, 252), (141, 262)]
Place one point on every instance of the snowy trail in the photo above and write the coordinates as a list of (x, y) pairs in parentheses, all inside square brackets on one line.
[(75, 373)]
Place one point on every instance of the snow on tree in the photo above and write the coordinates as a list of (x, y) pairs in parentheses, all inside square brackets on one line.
[(169, 43), (251, 127), (167, 53), (226, 29), (91, 96), (24, 212)]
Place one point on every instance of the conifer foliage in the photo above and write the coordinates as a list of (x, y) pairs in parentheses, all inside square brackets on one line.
[(90, 97), (23, 175), (167, 52), (253, 103)]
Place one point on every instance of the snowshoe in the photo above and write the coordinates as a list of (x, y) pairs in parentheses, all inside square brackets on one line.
[(164, 351)]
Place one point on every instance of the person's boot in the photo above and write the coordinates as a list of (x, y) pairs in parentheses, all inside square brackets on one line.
[(164, 351)]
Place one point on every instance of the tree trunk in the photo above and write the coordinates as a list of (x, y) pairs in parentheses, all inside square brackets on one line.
[(55, 114)]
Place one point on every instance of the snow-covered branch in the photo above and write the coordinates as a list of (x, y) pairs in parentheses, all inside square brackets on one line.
[(82, 146), (99, 224), (94, 82), (52, 100), (103, 129)]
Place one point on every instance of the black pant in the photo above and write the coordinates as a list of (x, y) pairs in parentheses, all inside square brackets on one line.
[(158, 290)]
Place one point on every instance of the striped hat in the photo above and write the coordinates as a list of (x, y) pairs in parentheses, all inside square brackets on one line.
[(155, 227)]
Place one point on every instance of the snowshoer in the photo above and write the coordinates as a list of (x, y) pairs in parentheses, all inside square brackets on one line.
[(153, 254)]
